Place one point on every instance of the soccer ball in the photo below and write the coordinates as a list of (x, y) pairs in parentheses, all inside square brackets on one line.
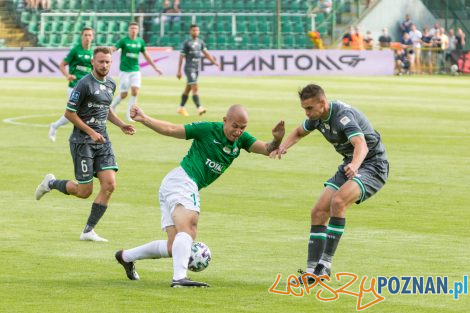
[(200, 257), (454, 69)]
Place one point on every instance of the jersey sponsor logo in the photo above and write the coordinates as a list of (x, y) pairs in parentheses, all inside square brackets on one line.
[(327, 126), (227, 150), (217, 142), (102, 87), (96, 105), (95, 121), (75, 96), (132, 55), (345, 120), (97, 92), (214, 166)]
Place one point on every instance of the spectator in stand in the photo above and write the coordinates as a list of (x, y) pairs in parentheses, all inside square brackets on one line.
[(32, 4), (385, 39), (437, 50), (406, 24), (324, 6), (434, 29), (415, 36), (452, 51), (402, 63), (347, 38), (407, 45), (368, 41), (168, 8), (357, 42), (426, 54), (445, 50), (460, 43)]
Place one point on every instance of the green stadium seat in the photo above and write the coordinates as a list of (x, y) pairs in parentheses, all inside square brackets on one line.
[(25, 17), (33, 28), (54, 40), (67, 26), (101, 39), (266, 42)]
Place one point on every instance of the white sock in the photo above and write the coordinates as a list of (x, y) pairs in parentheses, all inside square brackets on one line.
[(60, 122), (153, 250), (132, 101), (116, 102), (181, 253)]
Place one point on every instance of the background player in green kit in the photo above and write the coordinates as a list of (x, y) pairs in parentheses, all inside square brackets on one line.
[(92, 152), (214, 147), (192, 50), (363, 172), (79, 63), (130, 76)]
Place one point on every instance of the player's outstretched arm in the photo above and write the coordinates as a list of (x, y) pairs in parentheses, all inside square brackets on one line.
[(211, 58), (294, 137), (162, 127), (150, 61), (266, 148)]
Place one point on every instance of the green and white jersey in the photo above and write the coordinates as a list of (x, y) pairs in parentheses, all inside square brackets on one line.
[(343, 123), (211, 153), (91, 99), (79, 61), (192, 51), (130, 51)]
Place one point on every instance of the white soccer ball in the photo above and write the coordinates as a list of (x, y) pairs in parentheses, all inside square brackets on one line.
[(200, 257), (454, 69)]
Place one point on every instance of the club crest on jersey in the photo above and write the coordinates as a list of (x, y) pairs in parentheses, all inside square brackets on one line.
[(345, 120), (102, 87), (75, 96)]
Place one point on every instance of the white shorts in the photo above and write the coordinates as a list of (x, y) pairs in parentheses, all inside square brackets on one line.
[(129, 79), (177, 188)]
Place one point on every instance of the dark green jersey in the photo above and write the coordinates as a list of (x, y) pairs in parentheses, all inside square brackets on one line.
[(211, 153), (91, 99), (79, 61), (192, 51), (343, 123), (130, 52)]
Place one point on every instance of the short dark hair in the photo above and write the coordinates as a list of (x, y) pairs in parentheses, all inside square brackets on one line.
[(132, 24), (84, 29), (102, 49), (193, 26), (311, 91)]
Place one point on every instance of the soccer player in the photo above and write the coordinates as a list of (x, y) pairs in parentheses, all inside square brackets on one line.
[(192, 50), (92, 153), (363, 172), (215, 145), (130, 76), (79, 65)]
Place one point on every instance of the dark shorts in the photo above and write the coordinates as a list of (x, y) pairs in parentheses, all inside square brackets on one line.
[(371, 178), (89, 159), (191, 75)]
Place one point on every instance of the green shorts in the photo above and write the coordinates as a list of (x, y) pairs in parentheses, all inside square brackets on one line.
[(89, 159), (371, 177)]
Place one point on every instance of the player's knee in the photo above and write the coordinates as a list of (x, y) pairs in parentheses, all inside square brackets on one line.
[(319, 216), (84, 193), (109, 187), (338, 204)]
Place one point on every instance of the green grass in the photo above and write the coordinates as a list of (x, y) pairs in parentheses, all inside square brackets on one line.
[(255, 218)]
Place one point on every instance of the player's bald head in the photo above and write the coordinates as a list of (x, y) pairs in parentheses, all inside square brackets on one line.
[(237, 112)]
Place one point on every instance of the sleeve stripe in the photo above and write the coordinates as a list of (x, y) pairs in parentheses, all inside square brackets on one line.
[(70, 109), (354, 135), (303, 125)]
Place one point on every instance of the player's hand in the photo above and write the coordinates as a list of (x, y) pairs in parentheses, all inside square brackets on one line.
[(137, 114), (351, 170), (97, 138), (278, 153), (178, 75), (279, 131), (128, 129), (71, 78), (159, 71), (217, 64)]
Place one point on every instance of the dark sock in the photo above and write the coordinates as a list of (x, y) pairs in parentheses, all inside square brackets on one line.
[(97, 211), (60, 185), (316, 244), (196, 101), (333, 234), (184, 98)]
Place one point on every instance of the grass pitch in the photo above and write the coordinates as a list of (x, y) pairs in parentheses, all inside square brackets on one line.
[(255, 218)]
